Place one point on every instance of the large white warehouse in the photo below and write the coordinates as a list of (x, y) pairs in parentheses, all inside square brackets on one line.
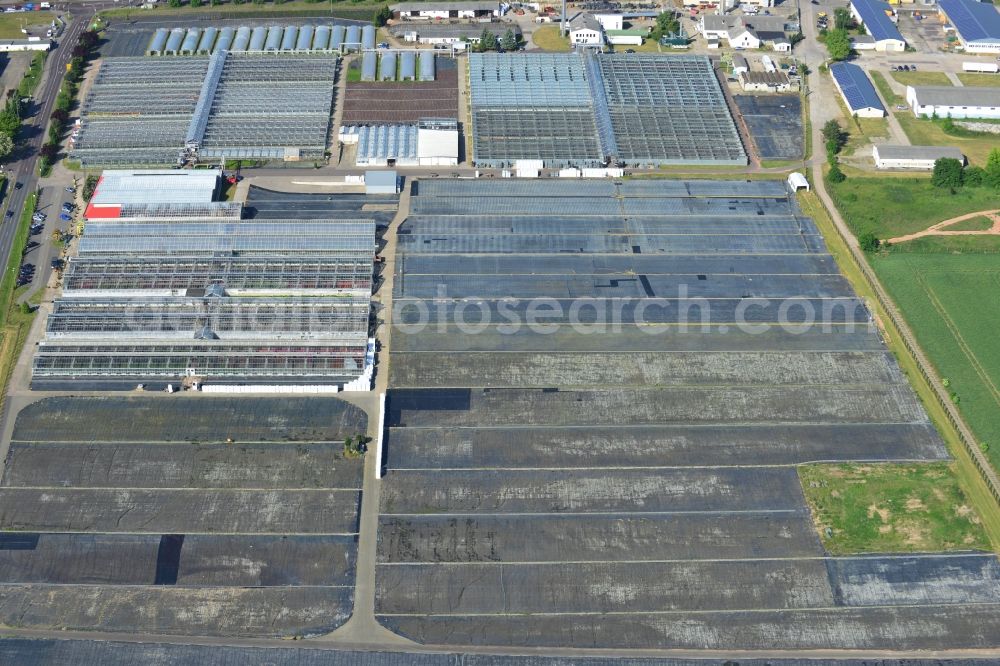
[(954, 102)]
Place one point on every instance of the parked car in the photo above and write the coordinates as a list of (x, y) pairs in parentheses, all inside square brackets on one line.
[(71, 189), (65, 218)]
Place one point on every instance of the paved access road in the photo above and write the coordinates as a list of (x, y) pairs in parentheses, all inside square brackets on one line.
[(24, 169)]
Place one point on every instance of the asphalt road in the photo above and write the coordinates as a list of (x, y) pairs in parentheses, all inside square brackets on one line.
[(24, 170)]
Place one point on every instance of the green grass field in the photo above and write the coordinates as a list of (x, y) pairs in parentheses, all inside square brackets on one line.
[(548, 38), (950, 303), (890, 207), (922, 78), (981, 223), (924, 132), (979, 80), (889, 508), (885, 89)]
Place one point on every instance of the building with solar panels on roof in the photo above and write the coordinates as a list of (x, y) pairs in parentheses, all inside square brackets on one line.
[(977, 24), (857, 90), (875, 16)]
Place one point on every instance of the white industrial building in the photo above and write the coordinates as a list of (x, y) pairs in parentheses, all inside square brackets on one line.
[(744, 32), (30, 44), (427, 11), (954, 102), (585, 30), (121, 189), (430, 142), (913, 157)]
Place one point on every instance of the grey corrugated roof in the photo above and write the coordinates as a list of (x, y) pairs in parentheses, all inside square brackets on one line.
[(957, 96), (895, 152), (463, 5)]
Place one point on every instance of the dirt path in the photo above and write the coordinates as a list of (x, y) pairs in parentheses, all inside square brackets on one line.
[(938, 229)]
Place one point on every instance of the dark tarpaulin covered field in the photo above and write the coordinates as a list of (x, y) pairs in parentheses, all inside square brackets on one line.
[(632, 483)]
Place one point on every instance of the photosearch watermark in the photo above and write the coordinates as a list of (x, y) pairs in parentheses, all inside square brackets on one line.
[(675, 313)]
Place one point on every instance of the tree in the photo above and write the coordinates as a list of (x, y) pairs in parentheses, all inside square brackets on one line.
[(834, 135), (666, 24), (947, 173), (974, 176), (6, 145), (382, 16), (836, 175), (869, 242), (487, 41), (174, 3), (25, 308), (509, 40), (993, 168), (838, 44), (10, 123), (841, 18), (49, 151), (194, 3)]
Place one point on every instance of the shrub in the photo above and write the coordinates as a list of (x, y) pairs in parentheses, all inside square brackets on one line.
[(869, 242)]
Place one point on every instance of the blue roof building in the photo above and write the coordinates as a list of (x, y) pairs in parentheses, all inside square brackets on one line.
[(874, 15), (857, 90), (976, 23)]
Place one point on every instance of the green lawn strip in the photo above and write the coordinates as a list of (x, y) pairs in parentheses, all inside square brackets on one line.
[(891, 207), (950, 245), (891, 508), (925, 132), (968, 476), (981, 223), (33, 76), (14, 258), (942, 298), (978, 80), (885, 89), (14, 324), (922, 78)]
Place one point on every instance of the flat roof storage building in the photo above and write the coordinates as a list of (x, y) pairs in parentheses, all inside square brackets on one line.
[(874, 15), (976, 23), (857, 90), (117, 188), (913, 157), (957, 102)]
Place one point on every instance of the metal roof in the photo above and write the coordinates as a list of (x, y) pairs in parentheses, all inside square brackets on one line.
[(877, 23), (894, 152), (957, 96), (464, 5), (155, 186), (857, 89), (385, 142), (974, 21)]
